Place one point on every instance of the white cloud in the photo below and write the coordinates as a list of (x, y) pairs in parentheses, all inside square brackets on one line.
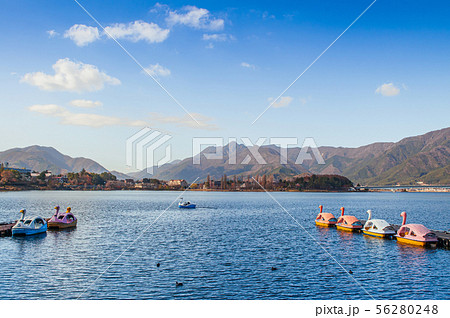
[(138, 30), (159, 7), (83, 119), (135, 31), (185, 121), (70, 76), (388, 89), (52, 33), (218, 37), (67, 117), (281, 102), (157, 70), (209, 46), (191, 16), (48, 109), (82, 34), (84, 103), (247, 65), (196, 18)]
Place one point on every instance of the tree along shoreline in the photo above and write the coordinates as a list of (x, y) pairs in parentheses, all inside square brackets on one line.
[(88, 181), (18, 189)]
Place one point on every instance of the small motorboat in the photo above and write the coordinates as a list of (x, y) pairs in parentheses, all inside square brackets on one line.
[(415, 234), (325, 219), (378, 227), (348, 223), (186, 204), (29, 226), (62, 220)]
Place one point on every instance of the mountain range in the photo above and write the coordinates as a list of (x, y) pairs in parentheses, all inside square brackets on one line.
[(39, 158), (422, 158)]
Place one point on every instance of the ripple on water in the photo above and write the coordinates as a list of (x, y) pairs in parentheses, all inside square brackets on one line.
[(222, 252)]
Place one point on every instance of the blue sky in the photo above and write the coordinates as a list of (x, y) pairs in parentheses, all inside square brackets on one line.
[(386, 78)]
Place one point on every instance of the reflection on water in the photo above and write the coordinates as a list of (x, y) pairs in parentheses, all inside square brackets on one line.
[(324, 232), (30, 240), (376, 243), (224, 250)]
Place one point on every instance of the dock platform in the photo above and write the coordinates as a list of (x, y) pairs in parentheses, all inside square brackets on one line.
[(6, 229), (443, 239)]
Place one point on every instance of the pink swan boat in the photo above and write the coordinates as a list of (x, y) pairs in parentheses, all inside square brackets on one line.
[(415, 234), (348, 223), (325, 219), (62, 220)]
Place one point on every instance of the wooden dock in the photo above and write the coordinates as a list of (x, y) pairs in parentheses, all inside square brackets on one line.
[(443, 239), (5, 229)]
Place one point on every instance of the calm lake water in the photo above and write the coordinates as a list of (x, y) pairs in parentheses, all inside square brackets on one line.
[(223, 250)]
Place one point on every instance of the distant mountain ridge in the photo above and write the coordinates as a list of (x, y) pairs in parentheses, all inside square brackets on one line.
[(186, 169), (39, 158), (423, 158), (420, 158), (120, 175)]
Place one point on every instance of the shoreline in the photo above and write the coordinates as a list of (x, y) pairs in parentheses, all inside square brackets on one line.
[(404, 190)]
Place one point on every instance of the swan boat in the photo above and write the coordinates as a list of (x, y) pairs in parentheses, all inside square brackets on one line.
[(325, 219), (186, 204), (377, 227), (415, 234), (62, 220), (29, 226), (348, 223)]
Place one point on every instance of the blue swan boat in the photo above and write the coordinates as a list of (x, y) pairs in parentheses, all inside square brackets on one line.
[(29, 226), (186, 204)]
